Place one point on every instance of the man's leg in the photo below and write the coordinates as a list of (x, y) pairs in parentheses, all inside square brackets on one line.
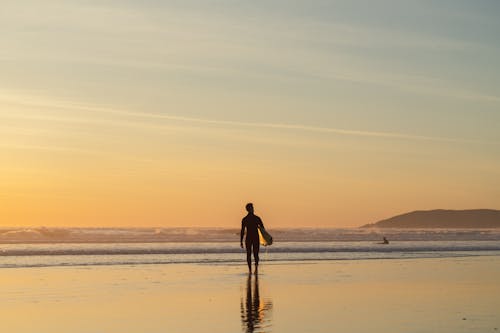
[(256, 247)]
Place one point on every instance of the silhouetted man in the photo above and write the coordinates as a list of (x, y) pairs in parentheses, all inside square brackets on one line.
[(251, 223)]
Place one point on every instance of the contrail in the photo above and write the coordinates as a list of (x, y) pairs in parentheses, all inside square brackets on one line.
[(283, 126), (318, 129)]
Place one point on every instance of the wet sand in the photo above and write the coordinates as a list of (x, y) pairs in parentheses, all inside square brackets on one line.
[(411, 295)]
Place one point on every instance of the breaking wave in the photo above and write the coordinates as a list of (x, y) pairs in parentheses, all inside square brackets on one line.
[(151, 235)]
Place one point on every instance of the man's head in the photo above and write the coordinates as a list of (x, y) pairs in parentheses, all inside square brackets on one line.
[(249, 207)]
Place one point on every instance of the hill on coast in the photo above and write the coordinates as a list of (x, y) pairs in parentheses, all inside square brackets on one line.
[(441, 218)]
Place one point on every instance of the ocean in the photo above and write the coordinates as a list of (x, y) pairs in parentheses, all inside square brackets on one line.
[(43, 247)]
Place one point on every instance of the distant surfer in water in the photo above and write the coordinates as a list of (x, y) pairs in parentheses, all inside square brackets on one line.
[(385, 241), (251, 223)]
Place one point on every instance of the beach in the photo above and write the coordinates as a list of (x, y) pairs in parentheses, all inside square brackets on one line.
[(389, 295)]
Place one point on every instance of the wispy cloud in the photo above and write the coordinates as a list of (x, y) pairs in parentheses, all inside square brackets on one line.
[(127, 117)]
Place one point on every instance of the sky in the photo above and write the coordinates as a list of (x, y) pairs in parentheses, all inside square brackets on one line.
[(178, 113)]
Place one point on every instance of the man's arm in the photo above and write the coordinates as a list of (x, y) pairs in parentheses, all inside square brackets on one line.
[(242, 232)]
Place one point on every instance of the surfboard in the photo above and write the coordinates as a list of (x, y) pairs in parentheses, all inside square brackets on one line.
[(264, 237)]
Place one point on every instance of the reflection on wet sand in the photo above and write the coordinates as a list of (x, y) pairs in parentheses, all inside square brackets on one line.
[(255, 315)]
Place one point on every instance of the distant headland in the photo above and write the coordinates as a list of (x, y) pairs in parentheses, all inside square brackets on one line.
[(441, 218)]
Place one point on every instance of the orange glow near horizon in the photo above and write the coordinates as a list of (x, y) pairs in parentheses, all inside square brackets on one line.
[(295, 179)]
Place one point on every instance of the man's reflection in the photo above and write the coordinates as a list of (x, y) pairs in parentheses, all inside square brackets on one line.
[(255, 316)]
